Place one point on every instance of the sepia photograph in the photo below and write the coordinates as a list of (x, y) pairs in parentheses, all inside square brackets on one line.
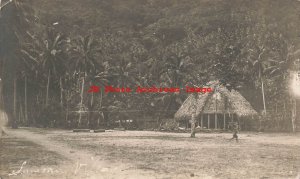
[(149, 89)]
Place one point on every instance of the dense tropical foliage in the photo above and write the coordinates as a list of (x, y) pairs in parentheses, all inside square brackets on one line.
[(51, 56)]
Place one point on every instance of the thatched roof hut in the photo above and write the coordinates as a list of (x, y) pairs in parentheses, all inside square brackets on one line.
[(219, 102)]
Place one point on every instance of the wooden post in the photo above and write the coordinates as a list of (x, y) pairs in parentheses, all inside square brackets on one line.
[(208, 122), (224, 121), (201, 121)]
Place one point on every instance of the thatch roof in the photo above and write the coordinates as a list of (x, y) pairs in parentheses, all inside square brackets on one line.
[(221, 100)]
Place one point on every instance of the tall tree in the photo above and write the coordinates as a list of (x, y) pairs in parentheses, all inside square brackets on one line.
[(15, 18), (84, 53)]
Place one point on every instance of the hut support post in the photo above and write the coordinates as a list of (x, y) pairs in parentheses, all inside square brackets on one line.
[(216, 120), (201, 121), (208, 122), (224, 117)]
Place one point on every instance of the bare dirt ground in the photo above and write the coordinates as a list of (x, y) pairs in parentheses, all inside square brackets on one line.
[(147, 154)]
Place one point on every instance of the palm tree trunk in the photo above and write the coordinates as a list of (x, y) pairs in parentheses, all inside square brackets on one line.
[(294, 114), (25, 105), (21, 114), (91, 110), (81, 102), (67, 110), (47, 93), (1, 97), (15, 97), (92, 98), (61, 92), (14, 122), (100, 104), (263, 95)]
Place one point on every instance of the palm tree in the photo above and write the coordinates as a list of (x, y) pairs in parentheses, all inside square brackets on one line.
[(31, 68), (102, 78), (125, 73), (46, 55), (15, 19), (280, 70), (53, 57), (259, 65), (176, 70), (85, 52), (71, 90)]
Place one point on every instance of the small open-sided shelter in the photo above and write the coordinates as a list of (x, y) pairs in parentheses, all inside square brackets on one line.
[(215, 110)]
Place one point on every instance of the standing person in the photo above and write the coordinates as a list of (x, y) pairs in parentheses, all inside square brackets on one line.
[(235, 131)]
